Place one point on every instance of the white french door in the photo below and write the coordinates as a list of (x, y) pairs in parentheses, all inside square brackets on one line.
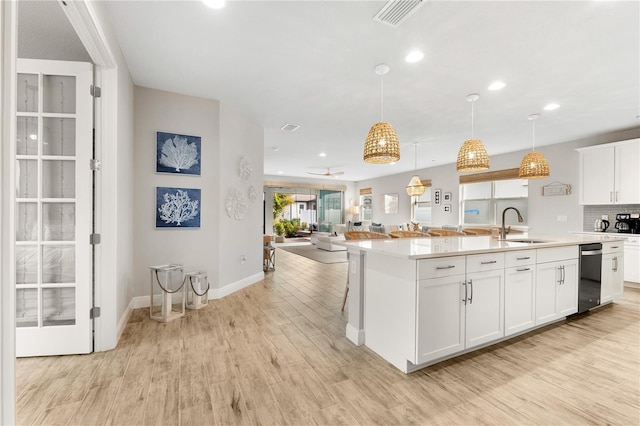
[(53, 207)]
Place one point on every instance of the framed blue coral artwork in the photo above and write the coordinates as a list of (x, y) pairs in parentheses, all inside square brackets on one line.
[(177, 207), (178, 154)]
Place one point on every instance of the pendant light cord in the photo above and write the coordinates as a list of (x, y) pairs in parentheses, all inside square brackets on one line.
[(533, 124), (382, 98), (472, 119), (415, 158)]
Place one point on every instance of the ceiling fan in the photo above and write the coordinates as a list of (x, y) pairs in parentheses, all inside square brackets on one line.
[(328, 173)]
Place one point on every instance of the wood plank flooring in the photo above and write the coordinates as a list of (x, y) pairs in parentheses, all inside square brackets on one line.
[(275, 353)]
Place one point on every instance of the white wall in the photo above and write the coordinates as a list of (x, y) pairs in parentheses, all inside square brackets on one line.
[(115, 193), (543, 211), (8, 48), (239, 239), (197, 249)]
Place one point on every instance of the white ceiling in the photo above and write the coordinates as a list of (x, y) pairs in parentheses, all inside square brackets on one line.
[(312, 63)]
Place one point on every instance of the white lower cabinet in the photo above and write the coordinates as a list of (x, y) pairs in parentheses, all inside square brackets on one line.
[(484, 308), (612, 271), (441, 317), (556, 286), (460, 311), (519, 299)]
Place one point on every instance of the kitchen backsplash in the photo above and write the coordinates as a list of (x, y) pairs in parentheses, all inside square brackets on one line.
[(591, 213)]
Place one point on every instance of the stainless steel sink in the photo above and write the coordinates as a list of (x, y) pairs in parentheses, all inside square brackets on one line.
[(527, 241)]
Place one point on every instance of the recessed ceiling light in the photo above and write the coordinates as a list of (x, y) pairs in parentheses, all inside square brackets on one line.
[(496, 85), (215, 4), (275, 149), (551, 107), (280, 172), (414, 56), (323, 154)]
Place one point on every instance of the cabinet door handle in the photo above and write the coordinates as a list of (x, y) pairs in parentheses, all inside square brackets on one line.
[(523, 269), (560, 270), (563, 274), (616, 196), (488, 262), (523, 258), (471, 296), (615, 268), (464, 283), (446, 267), (615, 247), (611, 196)]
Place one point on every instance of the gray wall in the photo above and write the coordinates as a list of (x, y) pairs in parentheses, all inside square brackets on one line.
[(239, 137), (218, 246), (543, 211), (197, 249)]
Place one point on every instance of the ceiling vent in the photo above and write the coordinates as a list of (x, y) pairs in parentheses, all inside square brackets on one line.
[(290, 127), (395, 12)]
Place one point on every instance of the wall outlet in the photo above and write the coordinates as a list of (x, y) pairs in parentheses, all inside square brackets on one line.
[(243, 259), (605, 217), (562, 218)]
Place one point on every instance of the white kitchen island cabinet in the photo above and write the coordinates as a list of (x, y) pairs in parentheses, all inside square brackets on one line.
[(418, 301), (519, 293), (556, 283), (609, 173)]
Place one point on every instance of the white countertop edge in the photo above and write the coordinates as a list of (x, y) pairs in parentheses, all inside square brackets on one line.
[(434, 247)]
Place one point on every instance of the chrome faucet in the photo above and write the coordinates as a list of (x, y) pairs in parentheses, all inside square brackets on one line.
[(503, 231)]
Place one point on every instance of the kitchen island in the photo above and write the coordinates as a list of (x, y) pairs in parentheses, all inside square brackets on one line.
[(418, 301)]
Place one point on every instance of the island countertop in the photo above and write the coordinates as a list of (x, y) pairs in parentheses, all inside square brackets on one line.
[(432, 247)]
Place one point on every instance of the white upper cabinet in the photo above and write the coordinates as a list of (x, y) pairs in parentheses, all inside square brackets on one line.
[(609, 173)]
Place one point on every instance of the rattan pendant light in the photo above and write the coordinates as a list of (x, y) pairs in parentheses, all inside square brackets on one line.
[(534, 165), (382, 145), (415, 187), (472, 156)]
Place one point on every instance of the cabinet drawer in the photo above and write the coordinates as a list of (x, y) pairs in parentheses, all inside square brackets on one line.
[(485, 262), (613, 247), (632, 241), (441, 267), (556, 253), (519, 257)]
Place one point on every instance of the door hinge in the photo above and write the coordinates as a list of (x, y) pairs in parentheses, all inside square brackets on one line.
[(95, 91), (94, 312), (95, 165), (94, 239)]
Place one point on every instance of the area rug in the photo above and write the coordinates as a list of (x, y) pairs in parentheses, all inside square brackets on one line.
[(314, 253)]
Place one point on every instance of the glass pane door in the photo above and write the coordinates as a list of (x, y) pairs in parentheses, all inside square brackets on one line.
[(329, 210), (53, 208)]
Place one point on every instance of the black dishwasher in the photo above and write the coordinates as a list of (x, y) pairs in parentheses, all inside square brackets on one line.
[(590, 276)]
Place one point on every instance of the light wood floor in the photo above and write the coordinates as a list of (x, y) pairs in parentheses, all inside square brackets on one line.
[(275, 353)]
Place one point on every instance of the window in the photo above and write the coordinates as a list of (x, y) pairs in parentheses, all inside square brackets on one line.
[(421, 208), (483, 202)]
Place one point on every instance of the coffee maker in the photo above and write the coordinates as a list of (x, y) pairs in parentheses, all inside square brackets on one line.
[(628, 223)]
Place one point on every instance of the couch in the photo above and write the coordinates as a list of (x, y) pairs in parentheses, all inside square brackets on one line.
[(325, 241)]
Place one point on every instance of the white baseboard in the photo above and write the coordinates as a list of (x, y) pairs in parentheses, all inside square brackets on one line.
[(124, 319), (355, 335), (219, 293), (214, 293)]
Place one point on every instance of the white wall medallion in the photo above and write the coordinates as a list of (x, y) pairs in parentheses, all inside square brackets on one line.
[(246, 168), (253, 194), (236, 204)]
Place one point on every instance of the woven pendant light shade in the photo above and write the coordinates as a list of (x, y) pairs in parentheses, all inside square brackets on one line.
[(472, 156), (415, 187), (534, 166), (382, 145)]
